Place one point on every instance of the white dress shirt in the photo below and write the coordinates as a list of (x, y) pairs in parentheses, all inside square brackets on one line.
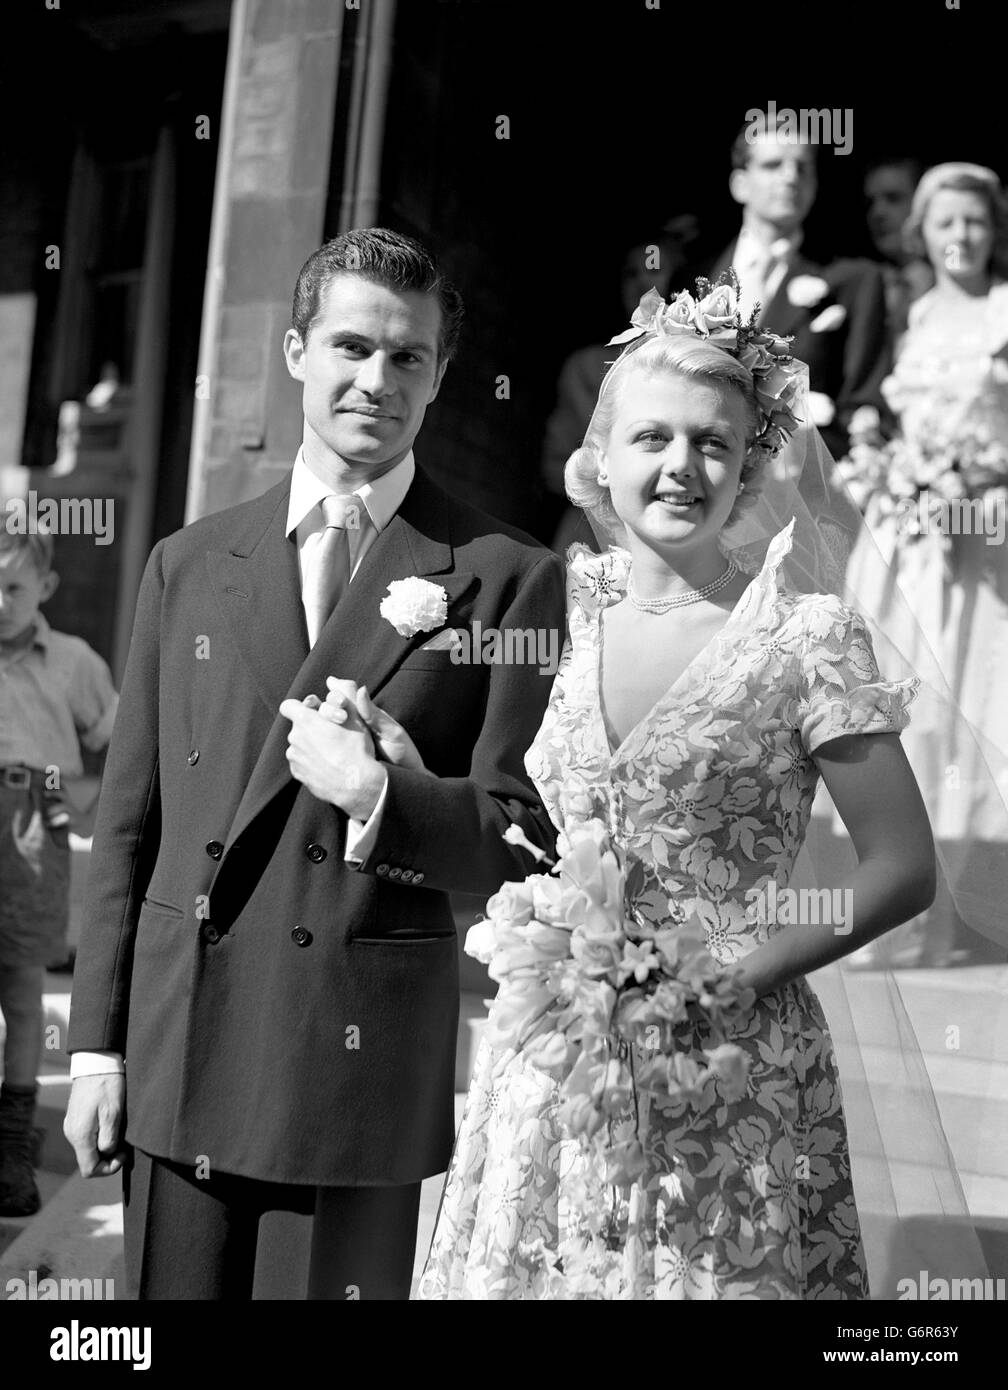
[(380, 501), (761, 268)]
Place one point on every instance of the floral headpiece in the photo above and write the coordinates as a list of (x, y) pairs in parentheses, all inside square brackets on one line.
[(712, 314)]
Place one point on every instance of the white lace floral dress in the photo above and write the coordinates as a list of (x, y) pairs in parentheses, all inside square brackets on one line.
[(710, 795), (951, 379)]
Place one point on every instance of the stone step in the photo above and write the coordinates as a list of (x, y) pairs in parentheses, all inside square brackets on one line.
[(472, 1021), (54, 1092), (11, 1227), (962, 1012), (76, 1235)]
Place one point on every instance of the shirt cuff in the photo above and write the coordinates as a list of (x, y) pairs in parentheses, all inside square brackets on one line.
[(96, 1064), (361, 836)]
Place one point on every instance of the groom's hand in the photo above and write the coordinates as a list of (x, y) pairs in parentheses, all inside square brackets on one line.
[(94, 1121), (351, 704), (335, 762)]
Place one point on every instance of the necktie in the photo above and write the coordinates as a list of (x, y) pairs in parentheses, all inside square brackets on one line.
[(760, 274), (330, 572), (754, 278)]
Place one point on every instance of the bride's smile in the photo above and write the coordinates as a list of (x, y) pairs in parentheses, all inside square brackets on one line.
[(674, 461)]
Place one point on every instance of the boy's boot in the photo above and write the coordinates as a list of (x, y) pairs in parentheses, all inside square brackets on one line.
[(19, 1195)]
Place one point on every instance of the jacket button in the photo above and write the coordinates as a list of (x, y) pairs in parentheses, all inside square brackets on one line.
[(418, 878), (382, 869), (193, 757), (300, 937), (210, 933), (394, 873), (315, 853), (407, 876), (215, 849)]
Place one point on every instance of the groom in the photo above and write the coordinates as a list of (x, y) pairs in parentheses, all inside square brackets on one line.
[(268, 953)]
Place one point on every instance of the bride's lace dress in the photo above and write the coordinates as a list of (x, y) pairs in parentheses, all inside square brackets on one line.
[(710, 795)]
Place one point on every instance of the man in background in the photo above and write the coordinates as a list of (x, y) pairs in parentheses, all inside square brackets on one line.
[(889, 185), (836, 313)]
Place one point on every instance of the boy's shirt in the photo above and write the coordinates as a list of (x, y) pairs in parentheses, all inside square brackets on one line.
[(56, 694)]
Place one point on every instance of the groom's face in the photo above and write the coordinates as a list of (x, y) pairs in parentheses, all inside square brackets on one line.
[(778, 184), (369, 369)]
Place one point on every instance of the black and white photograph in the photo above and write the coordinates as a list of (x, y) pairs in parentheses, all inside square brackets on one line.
[(503, 665)]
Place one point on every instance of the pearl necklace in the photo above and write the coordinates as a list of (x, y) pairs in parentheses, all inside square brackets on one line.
[(688, 596)]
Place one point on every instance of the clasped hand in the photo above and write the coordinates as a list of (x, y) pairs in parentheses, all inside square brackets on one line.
[(336, 748)]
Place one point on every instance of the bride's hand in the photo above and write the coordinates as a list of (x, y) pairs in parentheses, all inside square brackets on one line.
[(354, 705)]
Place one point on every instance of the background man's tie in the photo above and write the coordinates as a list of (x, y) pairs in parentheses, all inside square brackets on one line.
[(330, 573), (754, 283), (757, 278)]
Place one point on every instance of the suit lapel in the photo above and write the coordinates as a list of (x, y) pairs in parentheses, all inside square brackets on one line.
[(726, 258), (780, 315), (258, 586), (356, 643)]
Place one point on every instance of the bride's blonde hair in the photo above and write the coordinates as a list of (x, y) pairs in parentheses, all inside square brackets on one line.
[(689, 357)]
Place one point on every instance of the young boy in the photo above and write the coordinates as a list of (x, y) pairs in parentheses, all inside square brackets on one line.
[(55, 694)]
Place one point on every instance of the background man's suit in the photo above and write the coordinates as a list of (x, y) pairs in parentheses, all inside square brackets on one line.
[(847, 362), (227, 948)]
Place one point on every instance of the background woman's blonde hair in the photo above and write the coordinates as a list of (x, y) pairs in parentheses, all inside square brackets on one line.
[(688, 357)]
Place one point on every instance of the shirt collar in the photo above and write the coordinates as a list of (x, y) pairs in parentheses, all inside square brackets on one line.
[(749, 247), (41, 633), (382, 498)]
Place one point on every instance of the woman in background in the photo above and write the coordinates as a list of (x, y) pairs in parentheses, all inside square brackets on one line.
[(945, 547)]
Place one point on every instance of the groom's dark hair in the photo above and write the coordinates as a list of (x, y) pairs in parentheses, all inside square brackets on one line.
[(387, 258), (742, 145)]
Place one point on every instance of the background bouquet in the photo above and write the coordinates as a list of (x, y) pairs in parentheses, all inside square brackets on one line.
[(920, 480), (598, 999)]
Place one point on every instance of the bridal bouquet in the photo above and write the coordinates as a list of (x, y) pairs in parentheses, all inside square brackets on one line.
[(919, 481), (598, 999)]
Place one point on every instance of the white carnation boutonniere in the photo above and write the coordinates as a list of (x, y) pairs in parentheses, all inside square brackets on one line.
[(830, 318), (805, 291), (414, 605)]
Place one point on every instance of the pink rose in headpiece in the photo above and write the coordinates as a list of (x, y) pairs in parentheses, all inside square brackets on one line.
[(650, 306), (681, 314), (718, 309), (775, 389), (643, 319), (750, 356)]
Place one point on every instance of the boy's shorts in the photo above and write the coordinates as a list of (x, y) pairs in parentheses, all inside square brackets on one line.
[(34, 877)]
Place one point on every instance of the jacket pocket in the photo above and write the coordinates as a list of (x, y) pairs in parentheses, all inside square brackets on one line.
[(404, 940), (431, 661), (154, 905)]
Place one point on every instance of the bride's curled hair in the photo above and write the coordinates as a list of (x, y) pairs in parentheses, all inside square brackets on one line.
[(689, 357)]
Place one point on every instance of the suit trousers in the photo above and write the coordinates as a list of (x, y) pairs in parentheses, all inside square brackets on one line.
[(195, 1238)]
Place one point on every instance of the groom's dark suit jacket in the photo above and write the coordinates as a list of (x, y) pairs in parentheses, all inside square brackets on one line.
[(848, 362), (227, 949)]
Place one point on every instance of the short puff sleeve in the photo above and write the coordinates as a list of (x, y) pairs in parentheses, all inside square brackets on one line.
[(841, 689)]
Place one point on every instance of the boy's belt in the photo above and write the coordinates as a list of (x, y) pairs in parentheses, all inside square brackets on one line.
[(18, 778)]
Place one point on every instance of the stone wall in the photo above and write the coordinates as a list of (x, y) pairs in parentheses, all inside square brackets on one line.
[(272, 185)]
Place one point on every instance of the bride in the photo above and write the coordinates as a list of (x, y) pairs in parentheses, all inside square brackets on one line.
[(696, 709)]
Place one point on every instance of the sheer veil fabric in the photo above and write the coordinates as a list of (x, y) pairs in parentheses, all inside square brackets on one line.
[(910, 1181)]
